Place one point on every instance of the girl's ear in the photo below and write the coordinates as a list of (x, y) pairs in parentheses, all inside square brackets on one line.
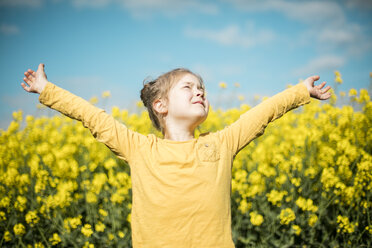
[(160, 106)]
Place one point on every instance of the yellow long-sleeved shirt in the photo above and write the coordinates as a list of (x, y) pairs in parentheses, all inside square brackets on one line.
[(181, 189)]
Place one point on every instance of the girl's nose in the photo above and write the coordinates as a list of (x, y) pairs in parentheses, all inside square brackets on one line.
[(199, 92)]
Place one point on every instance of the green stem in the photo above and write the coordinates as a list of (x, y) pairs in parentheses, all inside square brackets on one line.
[(42, 235), (20, 242)]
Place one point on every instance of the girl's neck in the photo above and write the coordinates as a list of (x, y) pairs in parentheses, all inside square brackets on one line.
[(178, 133)]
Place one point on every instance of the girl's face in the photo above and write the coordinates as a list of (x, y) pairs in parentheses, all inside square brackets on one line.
[(187, 101)]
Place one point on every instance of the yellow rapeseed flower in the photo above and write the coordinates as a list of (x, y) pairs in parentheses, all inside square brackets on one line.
[(17, 116), (102, 212), (222, 85), (344, 224), (313, 219), (306, 205), (287, 216), (24, 179), (256, 219), (109, 163), (121, 234), (20, 204), (338, 78), (32, 218), (364, 96), (91, 197), (237, 85), (87, 230), (117, 197), (93, 100), (369, 229), (72, 222), (7, 236), (275, 197), (129, 218), (39, 245), (4, 202), (244, 206), (296, 181), (296, 229), (353, 92), (2, 216), (88, 245), (100, 227), (29, 119), (19, 229), (115, 111), (106, 94), (55, 239)]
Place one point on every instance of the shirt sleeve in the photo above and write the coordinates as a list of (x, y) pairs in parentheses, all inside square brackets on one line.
[(104, 127), (252, 124)]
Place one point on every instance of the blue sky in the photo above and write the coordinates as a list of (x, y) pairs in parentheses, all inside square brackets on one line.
[(90, 46)]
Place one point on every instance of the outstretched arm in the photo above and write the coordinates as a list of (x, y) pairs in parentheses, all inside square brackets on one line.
[(103, 126), (252, 124)]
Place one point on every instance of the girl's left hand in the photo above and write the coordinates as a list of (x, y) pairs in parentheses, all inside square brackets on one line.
[(316, 91)]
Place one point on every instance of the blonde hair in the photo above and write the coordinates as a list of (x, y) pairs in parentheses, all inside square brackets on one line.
[(158, 89)]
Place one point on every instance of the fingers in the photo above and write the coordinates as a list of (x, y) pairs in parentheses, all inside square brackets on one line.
[(326, 89), (321, 85), (32, 72), (315, 78), (25, 87), (27, 80), (325, 96), (30, 75), (41, 67)]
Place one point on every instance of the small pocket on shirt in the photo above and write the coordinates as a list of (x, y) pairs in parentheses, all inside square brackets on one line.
[(208, 152)]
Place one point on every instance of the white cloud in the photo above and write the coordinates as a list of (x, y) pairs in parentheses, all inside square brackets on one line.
[(91, 3), (169, 5), (350, 39), (304, 11), (9, 29), (19, 3), (324, 63), (327, 24), (361, 4), (233, 35), (138, 8), (143, 8)]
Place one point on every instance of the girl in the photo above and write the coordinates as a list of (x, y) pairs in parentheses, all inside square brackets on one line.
[(180, 184)]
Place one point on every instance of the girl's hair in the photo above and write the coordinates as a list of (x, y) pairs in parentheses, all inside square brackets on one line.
[(158, 89)]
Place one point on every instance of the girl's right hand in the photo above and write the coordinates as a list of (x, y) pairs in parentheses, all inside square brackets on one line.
[(35, 81)]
